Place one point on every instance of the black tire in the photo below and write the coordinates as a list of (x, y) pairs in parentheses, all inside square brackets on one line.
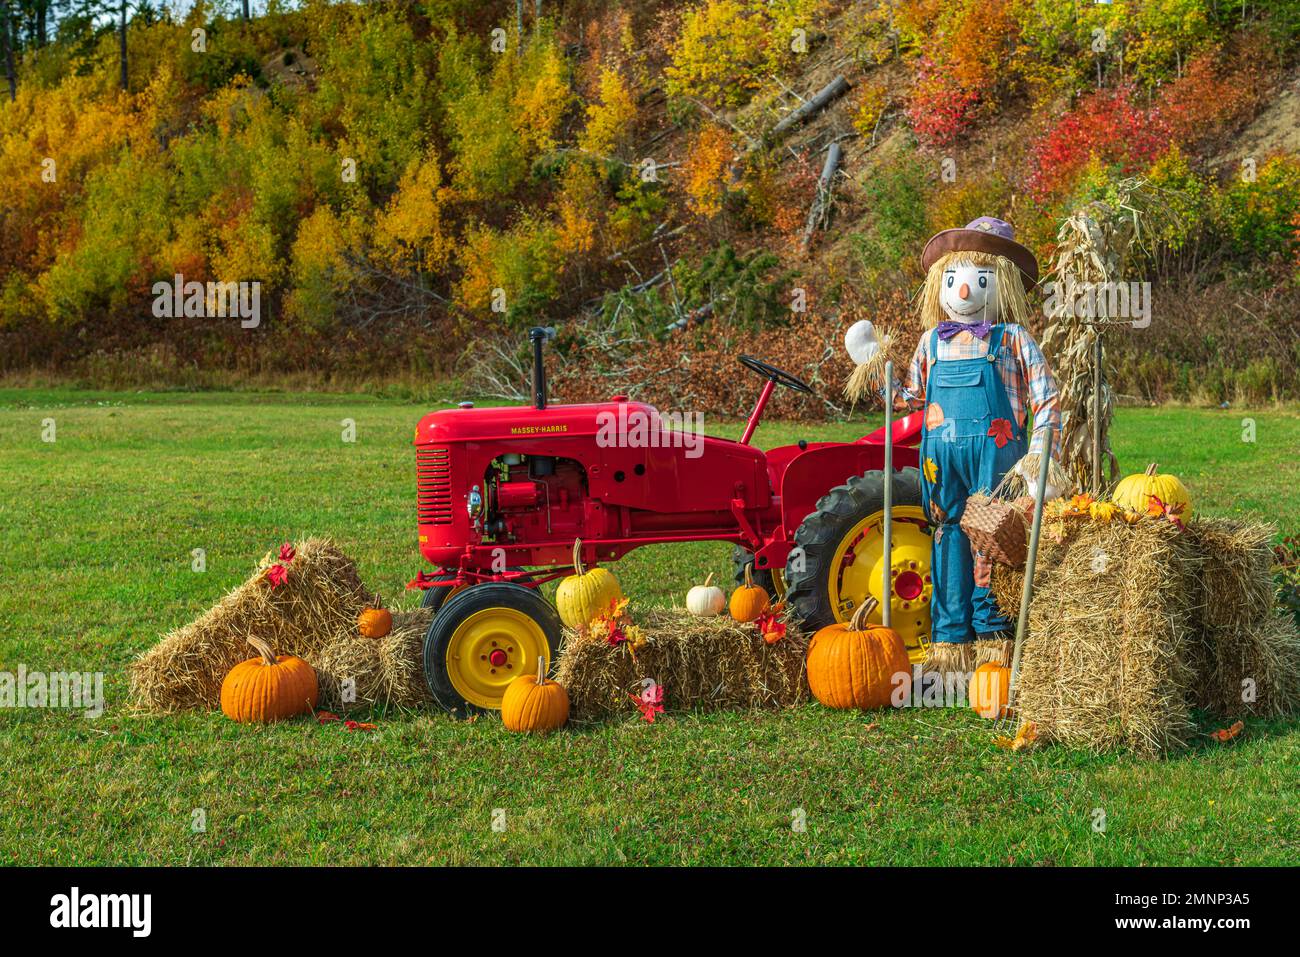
[(449, 618), (435, 598), (819, 535), (740, 557)]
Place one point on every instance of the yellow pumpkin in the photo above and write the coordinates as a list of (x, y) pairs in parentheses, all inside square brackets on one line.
[(749, 600), (375, 622), (858, 665), (585, 594), (989, 688), (269, 687), (1135, 492), (531, 703)]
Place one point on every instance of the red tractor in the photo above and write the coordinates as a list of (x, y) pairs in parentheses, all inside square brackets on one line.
[(503, 493)]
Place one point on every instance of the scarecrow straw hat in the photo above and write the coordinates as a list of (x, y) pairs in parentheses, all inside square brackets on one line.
[(983, 235)]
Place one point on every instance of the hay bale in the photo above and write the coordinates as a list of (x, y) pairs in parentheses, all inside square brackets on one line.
[(384, 671), (1133, 626), (1240, 639), (1105, 662), (317, 604), (401, 659), (707, 663)]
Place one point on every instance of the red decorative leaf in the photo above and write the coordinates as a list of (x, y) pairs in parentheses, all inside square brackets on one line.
[(1224, 735), (650, 701), (1001, 432), (276, 575), (287, 552)]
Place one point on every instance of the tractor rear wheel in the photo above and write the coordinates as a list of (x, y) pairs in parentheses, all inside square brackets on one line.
[(763, 577), (839, 558), (482, 639)]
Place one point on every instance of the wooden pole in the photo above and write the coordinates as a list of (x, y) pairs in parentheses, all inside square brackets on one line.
[(1027, 591), (887, 586), (1096, 412)]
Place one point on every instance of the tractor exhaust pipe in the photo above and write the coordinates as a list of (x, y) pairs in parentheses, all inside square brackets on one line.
[(538, 335)]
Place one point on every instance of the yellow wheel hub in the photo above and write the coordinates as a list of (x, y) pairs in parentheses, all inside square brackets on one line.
[(491, 648), (858, 566)]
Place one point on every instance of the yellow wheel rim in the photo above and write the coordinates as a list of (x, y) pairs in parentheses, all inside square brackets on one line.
[(858, 566), (491, 648), (778, 583)]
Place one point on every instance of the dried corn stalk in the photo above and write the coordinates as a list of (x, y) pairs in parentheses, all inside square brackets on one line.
[(1095, 247)]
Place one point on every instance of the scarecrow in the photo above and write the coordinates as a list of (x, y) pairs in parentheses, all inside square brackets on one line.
[(979, 375)]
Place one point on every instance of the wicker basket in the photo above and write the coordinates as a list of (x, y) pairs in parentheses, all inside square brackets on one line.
[(997, 529)]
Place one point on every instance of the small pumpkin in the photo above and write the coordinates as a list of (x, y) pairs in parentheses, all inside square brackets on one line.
[(1136, 491), (585, 594), (269, 687), (749, 600), (375, 622), (531, 703), (858, 665), (990, 687), (706, 600)]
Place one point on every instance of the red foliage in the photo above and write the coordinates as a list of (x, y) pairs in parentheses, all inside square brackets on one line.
[(939, 108), (1107, 125)]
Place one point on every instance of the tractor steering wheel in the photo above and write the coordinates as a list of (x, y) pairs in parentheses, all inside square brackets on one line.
[(773, 374)]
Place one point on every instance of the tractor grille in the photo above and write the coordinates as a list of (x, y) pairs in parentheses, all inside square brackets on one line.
[(433, 486)]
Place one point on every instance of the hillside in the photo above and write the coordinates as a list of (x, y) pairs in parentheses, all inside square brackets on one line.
[(412, 186)]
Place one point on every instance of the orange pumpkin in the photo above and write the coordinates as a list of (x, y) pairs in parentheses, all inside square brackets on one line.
[(375, 622), (531, 703), (990, 687), (858, 665), (269, 688), (749, 600)]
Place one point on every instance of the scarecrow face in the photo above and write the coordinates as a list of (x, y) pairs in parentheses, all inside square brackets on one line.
[(969, 293)]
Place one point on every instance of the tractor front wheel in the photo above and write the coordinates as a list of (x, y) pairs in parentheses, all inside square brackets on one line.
[(438, 596), (839, 558), (482, 639)]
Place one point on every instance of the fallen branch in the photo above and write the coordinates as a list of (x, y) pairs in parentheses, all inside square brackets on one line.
[(829, 93), (819, 211)]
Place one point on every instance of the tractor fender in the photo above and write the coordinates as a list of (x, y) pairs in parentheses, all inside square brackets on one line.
[(815, 472)]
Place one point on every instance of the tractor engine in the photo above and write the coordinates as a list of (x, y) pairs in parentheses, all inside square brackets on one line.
[(532, 498)]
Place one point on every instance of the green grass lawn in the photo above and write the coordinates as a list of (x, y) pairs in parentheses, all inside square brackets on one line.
[(96, 534)]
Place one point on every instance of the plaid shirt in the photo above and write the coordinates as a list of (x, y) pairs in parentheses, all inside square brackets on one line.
[(1021, 364)]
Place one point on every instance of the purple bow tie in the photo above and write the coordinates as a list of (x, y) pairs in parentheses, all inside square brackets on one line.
[(948, 329)]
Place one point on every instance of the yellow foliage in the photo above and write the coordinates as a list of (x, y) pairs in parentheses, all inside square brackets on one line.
[(508, 272), (728, 48), (542, 95), (610, 120), (410, 233), (321, 270), (871, 105)]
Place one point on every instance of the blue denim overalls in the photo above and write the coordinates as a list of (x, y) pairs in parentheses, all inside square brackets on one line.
[(966, 459)]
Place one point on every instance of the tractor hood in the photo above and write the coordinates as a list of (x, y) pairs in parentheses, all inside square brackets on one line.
[(521, 421)]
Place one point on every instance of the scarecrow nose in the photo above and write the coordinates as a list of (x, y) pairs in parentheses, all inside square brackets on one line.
[(964, 291)]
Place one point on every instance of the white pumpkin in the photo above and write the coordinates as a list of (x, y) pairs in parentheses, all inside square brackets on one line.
[(706, 600)]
